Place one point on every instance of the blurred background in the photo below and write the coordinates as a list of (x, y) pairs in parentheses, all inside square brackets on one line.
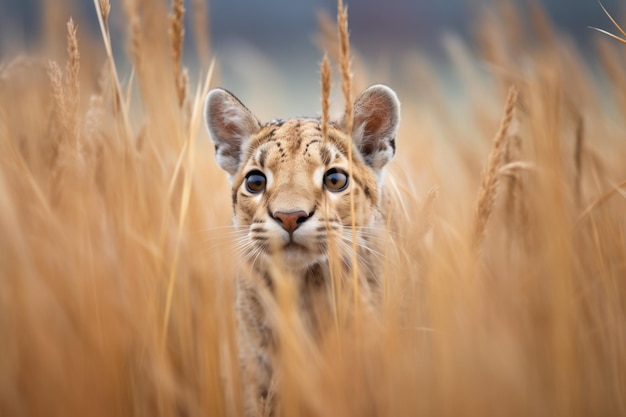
[(271, 44)]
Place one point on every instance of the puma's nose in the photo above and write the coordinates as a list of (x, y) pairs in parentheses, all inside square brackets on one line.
[(291, 220)]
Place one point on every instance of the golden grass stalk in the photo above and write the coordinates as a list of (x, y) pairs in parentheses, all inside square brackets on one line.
[(73, 63), (58, 94), (617, 26), (515, 30), (105, 10), (578, 158), (325, 73), (513, 169), (491, 177), (346, 88), (618, 189), (66, 89), (136, 41), (334, 262), (345, 64), (72, 81), (425, 213), (54, 16), (327, 40), (119, 102), (542, 23), (188, 153), (200, 19), (177, 39), (612, 66)]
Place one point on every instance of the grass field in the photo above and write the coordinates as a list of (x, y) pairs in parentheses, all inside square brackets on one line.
[(505, 287)]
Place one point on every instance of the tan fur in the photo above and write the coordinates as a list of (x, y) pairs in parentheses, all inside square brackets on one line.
[(294, 158)]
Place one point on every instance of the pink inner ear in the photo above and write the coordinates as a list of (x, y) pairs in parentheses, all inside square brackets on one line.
[(226, 126), (230, 129), (374, 115), (374, 122)]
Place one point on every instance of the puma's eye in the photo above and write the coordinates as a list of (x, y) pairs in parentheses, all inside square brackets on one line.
[(335, 180), (255, 182)]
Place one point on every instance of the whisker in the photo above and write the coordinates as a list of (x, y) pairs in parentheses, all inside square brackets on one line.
[(364, 246), (259, 250), (209, 239), (378, 229), (373, 234), (363, 263), (249, 254), (244, 247), (226, 234), (217, 241), (210, 229)]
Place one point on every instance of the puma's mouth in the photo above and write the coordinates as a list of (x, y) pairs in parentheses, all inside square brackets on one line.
[(287, 248), (293, 246), (293, 256)]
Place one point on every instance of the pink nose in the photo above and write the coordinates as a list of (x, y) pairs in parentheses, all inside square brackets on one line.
[(290, 221)]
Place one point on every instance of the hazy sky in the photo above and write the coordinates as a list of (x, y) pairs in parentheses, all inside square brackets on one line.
[(270, 41), (273, 24)]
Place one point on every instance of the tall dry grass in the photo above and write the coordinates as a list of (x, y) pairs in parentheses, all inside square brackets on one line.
[(116, 270)]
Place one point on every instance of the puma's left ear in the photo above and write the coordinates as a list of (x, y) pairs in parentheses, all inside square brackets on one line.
[(230, 125), (376, 119)]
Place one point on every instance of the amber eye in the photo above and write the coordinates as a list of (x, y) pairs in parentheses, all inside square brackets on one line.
[(335, 180), (255, 182)]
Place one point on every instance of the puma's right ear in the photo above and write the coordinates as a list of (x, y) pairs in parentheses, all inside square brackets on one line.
[(376, 119), (230, 125)]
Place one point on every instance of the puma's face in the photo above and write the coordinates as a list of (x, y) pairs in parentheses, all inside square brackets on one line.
[(291, 189)]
